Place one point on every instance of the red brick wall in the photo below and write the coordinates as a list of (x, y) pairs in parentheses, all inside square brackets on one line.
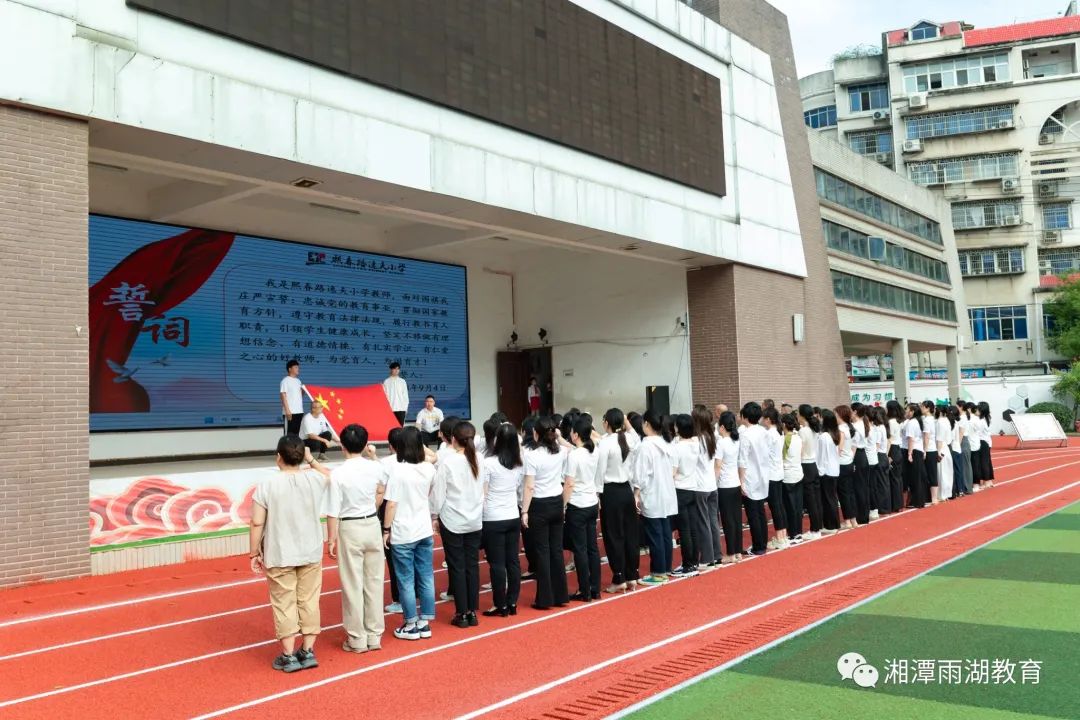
[(44, 486), (753, 356)]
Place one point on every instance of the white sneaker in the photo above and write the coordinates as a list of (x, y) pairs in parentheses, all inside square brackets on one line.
[(444, 563), (827, 532), (812, 535), (774, 544), (874, 515), (486, 586), (445, 596), (570, 567)]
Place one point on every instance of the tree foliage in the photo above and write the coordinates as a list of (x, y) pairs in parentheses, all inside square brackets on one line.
[(857, 51), (1067, 387), (1064, 308)]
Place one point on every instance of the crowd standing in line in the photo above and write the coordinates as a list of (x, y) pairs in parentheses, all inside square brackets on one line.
[(646, 479)]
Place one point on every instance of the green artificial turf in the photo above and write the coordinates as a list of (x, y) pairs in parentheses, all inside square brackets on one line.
[(1016, 600)]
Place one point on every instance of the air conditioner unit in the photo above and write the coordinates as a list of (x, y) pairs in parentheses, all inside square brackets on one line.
[(1047, 189), (1050, 237), (876, 245), (1010, 220), (881, 115), (883, 158), (1046, 139), (912, 146), (1003, 124), (1010, 185), (918, 100)]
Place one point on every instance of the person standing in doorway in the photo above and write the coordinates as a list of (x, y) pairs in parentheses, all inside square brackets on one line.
[(397, 393), (534, 396), (428, 420), (292, 397)]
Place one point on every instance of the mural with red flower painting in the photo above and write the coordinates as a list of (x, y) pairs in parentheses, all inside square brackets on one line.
[(157, 507)]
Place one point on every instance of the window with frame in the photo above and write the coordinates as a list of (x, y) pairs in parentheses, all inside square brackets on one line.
[(956, 72), (923, 31), (820, 117), (958, 123), (1056, 216), (871, 143), (991, 261), (1055, 124), (1059, 261), (853, 197), (998, 322), (890, 297), (1049, 322), (975, 215), (852, 242), (868, 97), (964, 169)]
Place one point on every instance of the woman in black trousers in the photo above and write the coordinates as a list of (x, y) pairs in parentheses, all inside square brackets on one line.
[(895, 414), (582, 509), (503, 473), (542, 514), (861, 441), (830, 442), (846, 485), (930, 448), (809, 430), (618, 514), (728, 487), (915, 462)]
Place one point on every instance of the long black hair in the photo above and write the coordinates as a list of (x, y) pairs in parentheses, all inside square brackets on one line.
[(616, 421), (412, 446), (667, 427), (490, 426), (507, 447), (730, 424), (465, 436), (916, 413), (703, 426), (546, 435), (863, 413), (830, 425), (773, 416), (584, 429), (637, 421), (806, 412), (446, 428), (895, 411), (527, 440), (653, 420)]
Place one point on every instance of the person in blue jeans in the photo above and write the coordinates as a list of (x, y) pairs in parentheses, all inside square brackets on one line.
[(654, 494), (408, 532)]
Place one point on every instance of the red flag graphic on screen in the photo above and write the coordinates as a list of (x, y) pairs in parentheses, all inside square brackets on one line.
[(148, 282), (365, 406)]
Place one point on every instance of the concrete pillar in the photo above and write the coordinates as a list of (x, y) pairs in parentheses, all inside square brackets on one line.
[(900, 369), (952, 362), (45, 483), (920, 360), (882, 374)]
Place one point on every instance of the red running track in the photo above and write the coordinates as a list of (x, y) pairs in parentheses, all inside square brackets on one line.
[(137, 644)]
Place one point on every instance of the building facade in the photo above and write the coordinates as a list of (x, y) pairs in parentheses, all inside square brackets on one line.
[(988, 120), (619, 181)]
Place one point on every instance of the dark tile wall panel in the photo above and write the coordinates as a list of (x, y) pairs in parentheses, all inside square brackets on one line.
[(546, 67)]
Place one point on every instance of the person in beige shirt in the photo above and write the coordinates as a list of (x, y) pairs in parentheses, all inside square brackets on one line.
[(287, 546)]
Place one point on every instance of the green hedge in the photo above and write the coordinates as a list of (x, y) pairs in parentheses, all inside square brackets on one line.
[(1063, 414)]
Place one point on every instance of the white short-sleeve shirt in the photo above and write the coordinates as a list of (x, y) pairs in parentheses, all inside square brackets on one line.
[(503, 489), (294, 394), (581, 466), (755, 451), (409, 486), (312, 425), (727, 450), (293, 534), (353, 487), (457, 496), (547, 470)]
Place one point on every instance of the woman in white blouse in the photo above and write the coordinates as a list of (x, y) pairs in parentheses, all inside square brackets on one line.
[(930, 448), (846, 485), (457, 497), (793, 476), (986, 442), (654, 492), (728, 487), (503, 475), (582, 501), (830, 444), (915, 463), (618, 516), (946, 478), (895, 413), (542, 513), (809, 429)]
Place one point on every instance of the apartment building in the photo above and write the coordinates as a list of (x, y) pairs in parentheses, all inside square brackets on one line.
[(988, 119)]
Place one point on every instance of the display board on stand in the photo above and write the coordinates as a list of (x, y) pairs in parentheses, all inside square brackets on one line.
[(1038, 428)]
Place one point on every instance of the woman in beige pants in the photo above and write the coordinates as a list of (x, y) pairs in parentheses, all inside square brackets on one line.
[(355, 537)]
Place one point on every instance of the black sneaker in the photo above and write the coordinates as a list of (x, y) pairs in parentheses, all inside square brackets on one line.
[(473, 620), (528, 576), (407, 632), (306, 658), (286, 663), (460, 621), (424, 630)]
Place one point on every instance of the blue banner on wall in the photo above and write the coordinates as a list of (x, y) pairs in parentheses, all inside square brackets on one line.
[(192, 328)]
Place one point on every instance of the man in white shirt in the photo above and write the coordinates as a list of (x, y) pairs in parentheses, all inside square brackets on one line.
[(428, 420), (397, 393), (292, 397), (316, 431)]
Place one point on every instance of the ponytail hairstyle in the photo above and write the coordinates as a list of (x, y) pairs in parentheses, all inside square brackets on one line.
[(730, 424), (952, 413), (830, 425), (616, 422), (507, 447), (807, 414), (547, 435), (984, 410), (446, 428), (703, 426), (393, 439), (877, 415), (929, 405), (653, 420), (528, 441), (773, 416), (863, 412), (584, 430), (491, 425), (637, 421), (465, 437), (684, 426), (667, 428), (845, 414), (790, 422), (894, 411), (916, 414), (567, 424)]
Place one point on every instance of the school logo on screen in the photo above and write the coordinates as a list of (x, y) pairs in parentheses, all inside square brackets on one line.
[(316, 258)]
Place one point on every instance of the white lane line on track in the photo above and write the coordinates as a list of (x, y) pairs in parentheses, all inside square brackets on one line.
[(1055, 453), (251, 608), (733, 616), (511, 628)]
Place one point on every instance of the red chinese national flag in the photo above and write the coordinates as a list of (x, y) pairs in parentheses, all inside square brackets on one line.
[(365, 406)]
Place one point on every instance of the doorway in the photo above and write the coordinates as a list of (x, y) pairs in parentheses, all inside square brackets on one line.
[(513, 370)]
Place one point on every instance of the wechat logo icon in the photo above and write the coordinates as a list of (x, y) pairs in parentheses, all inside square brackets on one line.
[(853, 666)]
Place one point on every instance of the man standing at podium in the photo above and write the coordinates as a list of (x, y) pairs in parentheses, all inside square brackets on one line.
[(397, 392)]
